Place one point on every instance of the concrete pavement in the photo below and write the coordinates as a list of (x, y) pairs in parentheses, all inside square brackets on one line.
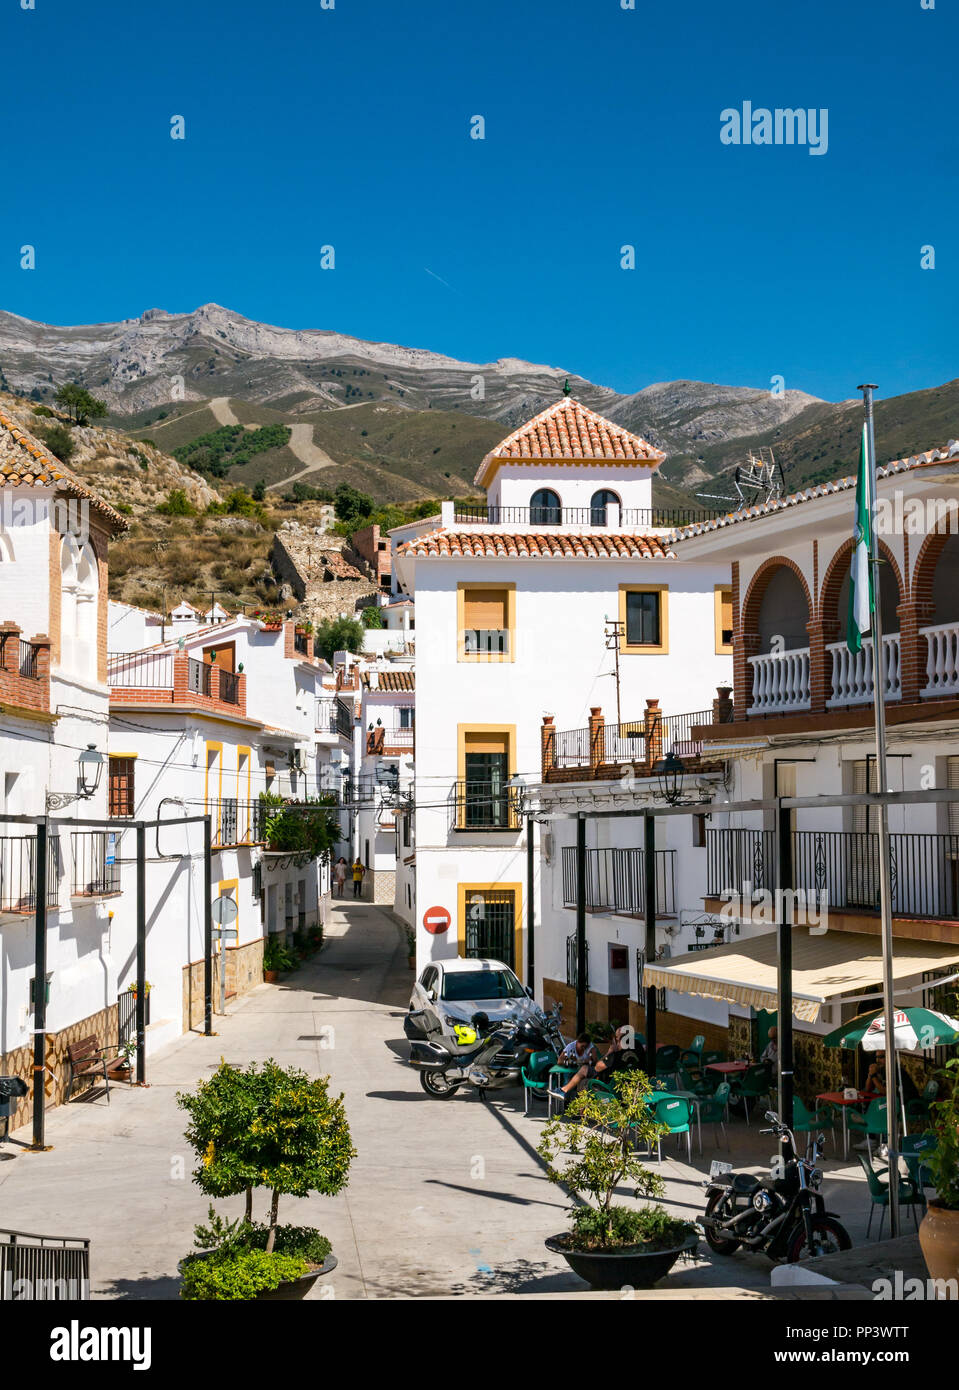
[(444, 1197)]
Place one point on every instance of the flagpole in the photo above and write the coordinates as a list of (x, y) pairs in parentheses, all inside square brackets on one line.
[(885, 881)]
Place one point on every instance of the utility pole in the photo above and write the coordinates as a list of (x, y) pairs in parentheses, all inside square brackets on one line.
[(613, 633)]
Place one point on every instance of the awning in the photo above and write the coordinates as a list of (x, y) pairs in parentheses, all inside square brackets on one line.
[(745, 972)]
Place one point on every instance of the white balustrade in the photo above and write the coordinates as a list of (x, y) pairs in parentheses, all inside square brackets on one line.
[(780, 681), (942, 659), (852, 672)]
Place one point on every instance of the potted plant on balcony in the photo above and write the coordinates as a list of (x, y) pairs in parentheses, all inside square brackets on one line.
[(269, 622), (611, 1245), (268, 1127), (939, 1229)]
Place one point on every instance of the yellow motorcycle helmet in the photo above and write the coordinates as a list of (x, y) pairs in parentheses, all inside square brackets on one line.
[(464, 1033)]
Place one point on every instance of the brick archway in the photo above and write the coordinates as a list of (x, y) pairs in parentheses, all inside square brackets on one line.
[(746, 640), (836, 573), (919, 610), (924, 570)]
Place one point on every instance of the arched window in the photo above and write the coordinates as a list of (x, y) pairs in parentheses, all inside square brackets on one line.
[(598, 504), (545, 508)]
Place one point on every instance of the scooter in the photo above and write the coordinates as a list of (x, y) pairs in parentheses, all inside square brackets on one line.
[(783, 1216), (488, 1065)]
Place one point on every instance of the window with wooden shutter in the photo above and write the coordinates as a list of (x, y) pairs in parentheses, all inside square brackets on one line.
[(121, 786), (644, 619), (486, 622), (724, 619), (952, 782)]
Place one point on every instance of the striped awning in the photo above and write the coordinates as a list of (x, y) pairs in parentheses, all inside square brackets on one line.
[(824, 967)]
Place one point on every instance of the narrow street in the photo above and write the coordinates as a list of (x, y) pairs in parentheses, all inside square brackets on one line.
[(444, 1197)]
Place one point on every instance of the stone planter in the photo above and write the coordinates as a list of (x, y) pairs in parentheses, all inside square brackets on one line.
[(939, 1241), (629, 1266)]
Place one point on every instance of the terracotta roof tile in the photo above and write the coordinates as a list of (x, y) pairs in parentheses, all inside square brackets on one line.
[(392, 680), (886, 470), (569, 430), (495, 544), (25, 462)]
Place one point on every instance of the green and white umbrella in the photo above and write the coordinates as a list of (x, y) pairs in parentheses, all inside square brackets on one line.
[(912, 1028)]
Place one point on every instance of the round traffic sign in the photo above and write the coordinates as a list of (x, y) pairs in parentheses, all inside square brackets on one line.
[(436, 920), (224, 910)]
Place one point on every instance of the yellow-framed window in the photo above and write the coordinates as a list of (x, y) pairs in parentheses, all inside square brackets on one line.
[(644, 618), (486, 622), (723, 618)]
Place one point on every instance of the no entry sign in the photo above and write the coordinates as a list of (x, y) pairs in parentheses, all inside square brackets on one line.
[(436, 920)]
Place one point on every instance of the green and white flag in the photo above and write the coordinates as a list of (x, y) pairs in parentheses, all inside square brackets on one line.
[(861, 603)]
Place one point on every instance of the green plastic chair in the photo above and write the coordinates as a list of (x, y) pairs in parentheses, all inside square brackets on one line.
[(909, 1195), (752, 1085), (693, 1054), (918, 1109), (673, 1112), (694, 1081), (667, 1060), (810, 1121), (536, 1079), (713, 1111), (872, 1124)]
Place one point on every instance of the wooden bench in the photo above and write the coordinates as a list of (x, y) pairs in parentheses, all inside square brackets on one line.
[(87, 1059)]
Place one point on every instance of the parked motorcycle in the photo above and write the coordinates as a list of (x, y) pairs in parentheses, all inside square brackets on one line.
[(783, 1216), (491, 1061)]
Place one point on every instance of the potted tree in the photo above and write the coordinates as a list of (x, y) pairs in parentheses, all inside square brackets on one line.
[(611, 1245), (411, 948), (939, 1229), (270, 1127)]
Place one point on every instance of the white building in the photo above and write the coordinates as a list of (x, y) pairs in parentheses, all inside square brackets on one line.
[(526, 609), (54, 536), (384, 752)]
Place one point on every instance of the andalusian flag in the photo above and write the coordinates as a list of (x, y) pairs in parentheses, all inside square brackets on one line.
[(861, 603)]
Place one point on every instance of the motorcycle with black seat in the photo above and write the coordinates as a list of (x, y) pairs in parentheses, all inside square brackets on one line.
[(489, 1061), (782, 1215)]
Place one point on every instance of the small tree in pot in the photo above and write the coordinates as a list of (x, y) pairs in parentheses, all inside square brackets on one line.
[(610, 1244), (268, 1127), (939, 1229)]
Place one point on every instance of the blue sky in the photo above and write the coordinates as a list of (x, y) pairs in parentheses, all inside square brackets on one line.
[(350, 127)]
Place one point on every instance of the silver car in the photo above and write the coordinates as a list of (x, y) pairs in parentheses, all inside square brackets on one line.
[(451, 991)]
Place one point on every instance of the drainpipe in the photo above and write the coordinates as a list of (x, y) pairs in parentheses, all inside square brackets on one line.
[(40, 985)]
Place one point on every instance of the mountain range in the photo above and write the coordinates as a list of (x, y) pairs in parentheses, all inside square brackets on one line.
[(406, 422)]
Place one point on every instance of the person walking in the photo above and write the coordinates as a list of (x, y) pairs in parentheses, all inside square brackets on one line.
[(339, 875), (358, 872)]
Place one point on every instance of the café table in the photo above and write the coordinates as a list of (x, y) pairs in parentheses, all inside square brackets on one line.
[(729, 1068), (843, 1101)]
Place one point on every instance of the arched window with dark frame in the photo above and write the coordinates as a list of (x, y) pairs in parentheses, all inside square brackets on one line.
[(545, 508), (598, 504)]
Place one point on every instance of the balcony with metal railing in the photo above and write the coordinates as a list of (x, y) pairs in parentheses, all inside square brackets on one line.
[(608, 517), (18, 873), (236, 822), (334, 718), (482, 807), (616, 881), (96, 864), (601, 750), (159, 676), (839, 869)]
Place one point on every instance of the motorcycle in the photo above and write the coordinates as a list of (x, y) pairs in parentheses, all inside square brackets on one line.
[(493, 1057), (783, 1215)]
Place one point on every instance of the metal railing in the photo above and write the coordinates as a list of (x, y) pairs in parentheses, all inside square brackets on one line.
[(96, 867), (18, 872), (47, 1269), (492, 641), (627, 741), (198, 676), (236, 822), (842, 868), (481, 806), (479, 513), (301, 643), (334, 716), (229, 687), (616, 880), (140, 670), (27, 661)]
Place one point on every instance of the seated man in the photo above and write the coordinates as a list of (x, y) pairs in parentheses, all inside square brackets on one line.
[(875, 1080), (590, 1066)]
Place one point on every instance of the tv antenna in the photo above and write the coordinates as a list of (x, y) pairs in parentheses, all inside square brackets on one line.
[(757, 481)]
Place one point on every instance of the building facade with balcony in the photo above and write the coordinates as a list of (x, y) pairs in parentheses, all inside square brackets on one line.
[(528, 607), (54, 539), (385, 750), (210, 721)]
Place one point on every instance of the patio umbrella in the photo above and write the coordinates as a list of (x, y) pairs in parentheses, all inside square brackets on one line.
[(912, 1028)]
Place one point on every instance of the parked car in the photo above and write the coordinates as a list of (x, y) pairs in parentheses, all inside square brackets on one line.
[(451, 991)]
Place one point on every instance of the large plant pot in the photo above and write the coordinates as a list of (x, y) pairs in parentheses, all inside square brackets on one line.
[(289, 1291), (616, 1269), (939, 1241), (270, 976), (298, 1288)]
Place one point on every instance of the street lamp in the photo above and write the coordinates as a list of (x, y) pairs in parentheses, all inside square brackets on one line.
[(671, 772), (90, 764)]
